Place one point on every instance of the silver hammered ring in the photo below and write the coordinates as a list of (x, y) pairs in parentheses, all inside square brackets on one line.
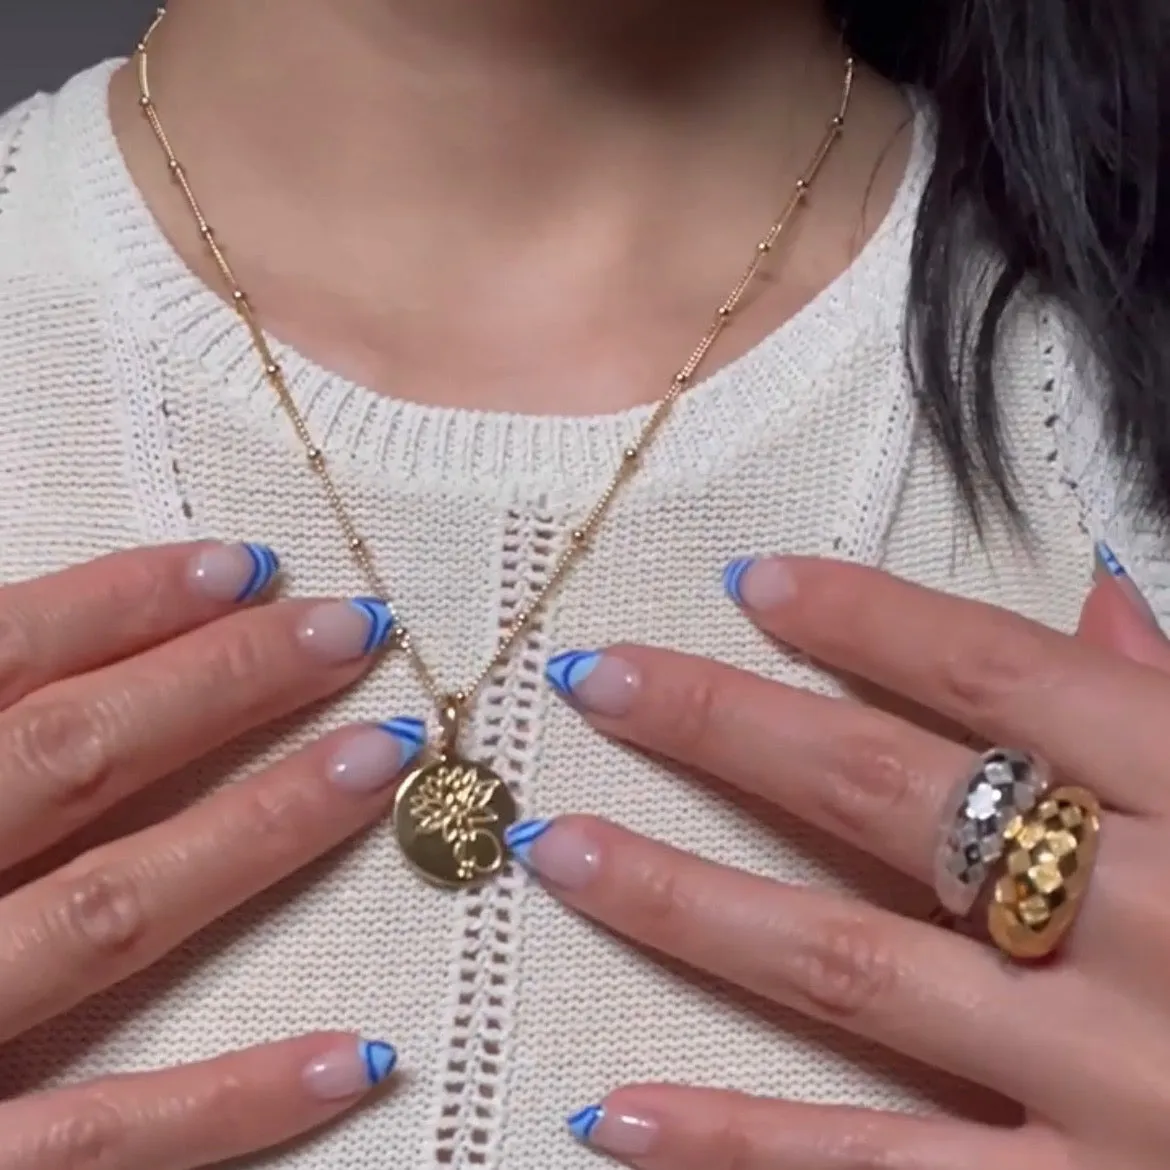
[(1002, 785)]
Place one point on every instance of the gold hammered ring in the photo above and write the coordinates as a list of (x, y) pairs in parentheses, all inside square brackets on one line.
[(1043, 874)]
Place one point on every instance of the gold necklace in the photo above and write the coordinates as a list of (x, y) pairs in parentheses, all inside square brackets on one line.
[(450, 813)]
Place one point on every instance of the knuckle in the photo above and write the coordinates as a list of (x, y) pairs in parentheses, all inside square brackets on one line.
[(92, 1136), (862, 1151), (828, 607), (271, 822), (731, 1147), (227, 1100), (658, 902), (236, 661), (63, 744), (135, 592), (101, 913), (845, 969), (978, 676), (17, 658), (693, 711), (867, 781)]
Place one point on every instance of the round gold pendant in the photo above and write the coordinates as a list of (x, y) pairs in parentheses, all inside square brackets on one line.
[(450, 816)]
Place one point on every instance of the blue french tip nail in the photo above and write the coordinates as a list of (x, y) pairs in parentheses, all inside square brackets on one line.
[(521, 836), (733, 577), (1107, 559), (378, 1059), (585, 1121), (265, 565), (569, 669), (380, 617), (411, 735)]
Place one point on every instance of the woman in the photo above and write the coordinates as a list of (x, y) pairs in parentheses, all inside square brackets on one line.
[(458, 252)]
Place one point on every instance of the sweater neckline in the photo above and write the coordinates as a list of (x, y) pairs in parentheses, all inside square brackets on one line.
[(386, 439)]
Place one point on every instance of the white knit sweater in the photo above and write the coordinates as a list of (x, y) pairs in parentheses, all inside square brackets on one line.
[(132, 411)]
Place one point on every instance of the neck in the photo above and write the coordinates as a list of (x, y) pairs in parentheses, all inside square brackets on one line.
[(415, 177), (503, 106)]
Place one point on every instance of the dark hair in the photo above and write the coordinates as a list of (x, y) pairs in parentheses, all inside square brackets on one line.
[(1050, 149)]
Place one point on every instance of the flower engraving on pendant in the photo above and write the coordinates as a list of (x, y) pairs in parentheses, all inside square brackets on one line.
[(451, 816), (454, 800)]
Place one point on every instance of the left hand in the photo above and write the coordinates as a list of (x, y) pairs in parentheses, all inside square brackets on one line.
[(1081, 1042)]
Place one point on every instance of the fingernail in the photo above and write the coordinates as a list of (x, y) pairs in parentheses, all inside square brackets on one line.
[(1108, 565), (233, 572), (1107, 561), (625, 1135), (582, 1123), (340, 631), (349, 1070), (561, 853), (758, 584), (370, 758), (601, 683)]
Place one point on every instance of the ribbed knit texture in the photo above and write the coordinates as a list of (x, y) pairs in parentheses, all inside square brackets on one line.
[(134, 411)]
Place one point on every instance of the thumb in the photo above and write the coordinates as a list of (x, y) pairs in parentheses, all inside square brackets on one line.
[(1117, 617)]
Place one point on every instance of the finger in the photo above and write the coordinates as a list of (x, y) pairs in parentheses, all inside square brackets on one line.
[(92, 614), (867, 777), (194, 1115), (1097, 718), (934, 996), (667, 1127), (1116, 617), (859, 773), (79, 745), (123, 906)]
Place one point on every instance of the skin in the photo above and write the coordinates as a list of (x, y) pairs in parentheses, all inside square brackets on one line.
[(113, 674), (1081, 1042), (510, 205), (201, 671)]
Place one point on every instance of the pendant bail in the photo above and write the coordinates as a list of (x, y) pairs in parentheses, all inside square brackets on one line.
[(450, 719)]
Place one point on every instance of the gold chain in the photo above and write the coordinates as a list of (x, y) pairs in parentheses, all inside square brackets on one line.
[(451, 704)]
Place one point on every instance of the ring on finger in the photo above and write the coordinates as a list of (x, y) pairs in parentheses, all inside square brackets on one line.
[(1003, 785), (1046, 866)]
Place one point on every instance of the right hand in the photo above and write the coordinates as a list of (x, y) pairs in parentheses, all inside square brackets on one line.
[(112, 675)]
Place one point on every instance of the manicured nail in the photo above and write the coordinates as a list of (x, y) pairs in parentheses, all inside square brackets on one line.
[(561, 853), (1107, 560), (758, 584), (350, 1069), (371, 757), (233, 572), (624, 1135), (601, 683), (339, 631), (733, 575), (582, 1123), (522, 835), (1108, 565)]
